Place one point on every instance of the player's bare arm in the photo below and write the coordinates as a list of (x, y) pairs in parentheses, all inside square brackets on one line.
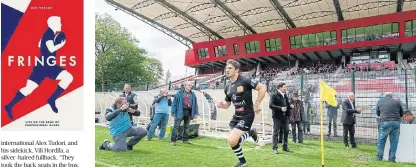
[(260, 96), (223, 104)]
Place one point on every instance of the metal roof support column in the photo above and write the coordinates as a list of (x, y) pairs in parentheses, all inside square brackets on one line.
[(283, 14)]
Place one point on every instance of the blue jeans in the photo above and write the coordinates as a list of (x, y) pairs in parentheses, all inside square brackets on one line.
[(158, 118), (391, 129)]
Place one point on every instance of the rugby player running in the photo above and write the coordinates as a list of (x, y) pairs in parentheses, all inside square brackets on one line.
[(239, 92)]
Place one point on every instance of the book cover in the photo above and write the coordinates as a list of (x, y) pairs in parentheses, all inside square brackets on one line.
[(42, 65)]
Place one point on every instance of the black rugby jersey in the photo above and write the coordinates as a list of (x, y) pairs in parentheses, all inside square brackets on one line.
[(240, 94)]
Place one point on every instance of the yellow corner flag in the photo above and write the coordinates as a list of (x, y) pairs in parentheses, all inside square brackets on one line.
[(326, 94)]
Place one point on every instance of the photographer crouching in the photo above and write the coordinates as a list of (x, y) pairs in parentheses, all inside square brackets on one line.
[(121, 128)]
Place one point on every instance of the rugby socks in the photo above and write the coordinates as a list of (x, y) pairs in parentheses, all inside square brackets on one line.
[(238, 151), (19, 96), (244, 137), (55, 96)]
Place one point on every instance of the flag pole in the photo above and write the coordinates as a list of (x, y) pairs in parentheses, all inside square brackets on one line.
[(322, 134), (322, 131)]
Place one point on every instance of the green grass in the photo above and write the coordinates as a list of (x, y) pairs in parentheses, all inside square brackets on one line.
[(211, 152)]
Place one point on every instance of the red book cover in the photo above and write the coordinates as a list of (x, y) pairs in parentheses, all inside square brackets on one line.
[(42, 65)]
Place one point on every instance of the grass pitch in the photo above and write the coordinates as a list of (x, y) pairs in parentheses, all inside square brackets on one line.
[(209, 152)]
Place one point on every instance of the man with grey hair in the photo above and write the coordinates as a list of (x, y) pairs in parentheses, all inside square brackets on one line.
[(132, 100), (390, 112), (184, 108), (348, 119)]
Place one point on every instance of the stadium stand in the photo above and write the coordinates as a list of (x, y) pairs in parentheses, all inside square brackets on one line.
[(368, 56)]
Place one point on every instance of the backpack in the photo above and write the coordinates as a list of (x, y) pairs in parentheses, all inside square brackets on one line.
[(193, 132)]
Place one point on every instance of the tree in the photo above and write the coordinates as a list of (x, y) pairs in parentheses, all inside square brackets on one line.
[(154, 70), (167, 77), (118, 58)]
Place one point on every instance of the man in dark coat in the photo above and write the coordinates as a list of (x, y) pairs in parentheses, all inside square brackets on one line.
[(279, 103), (349, 120), (297, 117)]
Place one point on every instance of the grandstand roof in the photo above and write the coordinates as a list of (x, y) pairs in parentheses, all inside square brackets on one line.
[(190, 21)]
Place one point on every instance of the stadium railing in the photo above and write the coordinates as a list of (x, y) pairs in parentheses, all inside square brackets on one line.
[(368, 87)]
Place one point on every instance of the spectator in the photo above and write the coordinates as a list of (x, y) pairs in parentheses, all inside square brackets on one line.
[(390, 112), (349, 120), (279, 103), (307, 123), (121, 128), (319, 68), (332, 116), (132, 100), (374, 66), (408, 118), (184, 108), (161, 116), (297, 116)]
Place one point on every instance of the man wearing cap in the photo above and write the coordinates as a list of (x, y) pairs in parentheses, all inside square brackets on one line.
[(297, 116)]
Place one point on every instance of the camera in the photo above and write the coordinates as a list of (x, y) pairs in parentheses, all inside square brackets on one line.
[(125, 110), (133, 106)]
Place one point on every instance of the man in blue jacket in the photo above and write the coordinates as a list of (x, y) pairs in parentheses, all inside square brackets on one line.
[(161, 116), (184, 108), (121, 128)]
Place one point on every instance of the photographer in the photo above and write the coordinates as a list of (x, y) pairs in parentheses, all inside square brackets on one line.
[(161, 116), (121, 128)]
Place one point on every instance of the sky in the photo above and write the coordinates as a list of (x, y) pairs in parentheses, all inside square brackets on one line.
[(158, 45)]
